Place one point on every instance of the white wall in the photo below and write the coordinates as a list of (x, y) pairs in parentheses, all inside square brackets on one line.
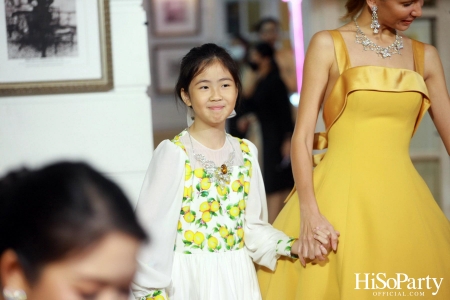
[(111, 130)]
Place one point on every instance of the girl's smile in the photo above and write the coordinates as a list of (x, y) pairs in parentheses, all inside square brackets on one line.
[(212, 94)]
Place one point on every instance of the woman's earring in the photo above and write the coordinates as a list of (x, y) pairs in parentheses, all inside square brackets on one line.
[(14, 294), (375, 25)]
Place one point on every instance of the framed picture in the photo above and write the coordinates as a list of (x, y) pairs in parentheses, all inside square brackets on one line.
[(166, 66), (423, 30), (175, 17), (54, 46)]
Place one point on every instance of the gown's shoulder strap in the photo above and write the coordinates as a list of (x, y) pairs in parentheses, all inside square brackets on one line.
[(419, 56), (340, 50)]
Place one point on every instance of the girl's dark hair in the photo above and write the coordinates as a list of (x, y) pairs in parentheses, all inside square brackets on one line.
[(198, 59), (353, 8), (60, 209)]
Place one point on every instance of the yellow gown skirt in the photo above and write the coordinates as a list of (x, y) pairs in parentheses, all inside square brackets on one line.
[(395, 240)]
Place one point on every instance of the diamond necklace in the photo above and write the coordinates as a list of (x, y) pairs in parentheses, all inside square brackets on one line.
[(362, 39), (221, 174)]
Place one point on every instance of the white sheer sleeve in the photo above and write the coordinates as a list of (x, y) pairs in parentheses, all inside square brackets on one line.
[(158, 210), (264, 243)]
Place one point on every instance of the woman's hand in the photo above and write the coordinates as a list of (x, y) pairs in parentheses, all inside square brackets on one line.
[(286, 148), (324, 237), (316, 237), (242, 124)]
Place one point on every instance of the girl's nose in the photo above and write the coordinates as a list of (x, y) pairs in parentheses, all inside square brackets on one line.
[(215, 96)]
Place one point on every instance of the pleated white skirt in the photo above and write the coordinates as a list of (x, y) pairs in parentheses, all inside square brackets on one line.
[(214, 276)]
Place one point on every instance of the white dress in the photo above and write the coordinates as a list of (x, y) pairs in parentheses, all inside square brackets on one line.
[(204, 237)]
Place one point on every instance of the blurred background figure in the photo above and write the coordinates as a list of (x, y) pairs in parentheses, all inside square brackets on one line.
[(268, 31), (67, 233), (269, 102), (238, 50)]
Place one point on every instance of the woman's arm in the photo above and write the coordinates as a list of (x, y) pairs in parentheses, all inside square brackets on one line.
[(265, 244), (158, 211), (440, 100), (319, 60)]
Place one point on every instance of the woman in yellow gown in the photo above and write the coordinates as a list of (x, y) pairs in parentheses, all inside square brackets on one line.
[(394, 239)]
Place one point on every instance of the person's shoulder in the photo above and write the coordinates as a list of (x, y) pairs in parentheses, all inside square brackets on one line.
[(433, 64), (321, 50), (428, 48), (431, 54), (169, 146), (248, 146), (322, 39)]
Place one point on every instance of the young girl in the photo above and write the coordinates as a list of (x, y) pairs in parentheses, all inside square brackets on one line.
[(203, 196)]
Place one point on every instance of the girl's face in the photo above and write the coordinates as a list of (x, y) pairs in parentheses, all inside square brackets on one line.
[(399, 14), (103, 271), (212, 94)]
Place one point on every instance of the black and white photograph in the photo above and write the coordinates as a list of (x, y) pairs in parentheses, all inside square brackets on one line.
[(54, 46), (41, 28), (175, 17)]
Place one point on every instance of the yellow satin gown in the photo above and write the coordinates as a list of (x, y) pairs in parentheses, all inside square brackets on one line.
[(393, 234)]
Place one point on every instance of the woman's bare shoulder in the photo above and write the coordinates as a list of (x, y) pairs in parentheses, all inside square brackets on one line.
[(322, 39)]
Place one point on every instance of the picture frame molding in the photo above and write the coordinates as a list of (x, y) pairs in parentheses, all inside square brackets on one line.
[(105, 83), (157, 32), (156, 73)]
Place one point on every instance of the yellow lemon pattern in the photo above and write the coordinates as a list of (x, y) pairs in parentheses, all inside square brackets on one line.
[(212, 216), (155, 295), (188, 171)]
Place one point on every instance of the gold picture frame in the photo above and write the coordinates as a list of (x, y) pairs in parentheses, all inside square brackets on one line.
[(72, 54)]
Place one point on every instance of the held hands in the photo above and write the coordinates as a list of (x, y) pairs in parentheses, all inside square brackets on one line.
[(317, 239)]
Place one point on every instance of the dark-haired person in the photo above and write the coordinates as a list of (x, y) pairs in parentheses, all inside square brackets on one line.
[(203, 198), (270, 103), (395, 240), (268, 30), (66, 233)]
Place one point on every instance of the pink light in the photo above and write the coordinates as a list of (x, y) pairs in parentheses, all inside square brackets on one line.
[(299, 46)]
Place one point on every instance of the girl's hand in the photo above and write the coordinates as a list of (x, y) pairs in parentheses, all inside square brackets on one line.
[(324, 237), (309, 247)]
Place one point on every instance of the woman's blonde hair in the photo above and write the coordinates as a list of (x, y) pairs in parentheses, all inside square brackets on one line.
[(353, 8)]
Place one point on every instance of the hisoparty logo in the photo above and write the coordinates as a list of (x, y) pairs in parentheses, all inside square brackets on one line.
[(380, 281)]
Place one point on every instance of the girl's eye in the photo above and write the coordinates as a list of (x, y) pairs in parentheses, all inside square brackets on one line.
[(407, 4), (226, 85), (203, 87)]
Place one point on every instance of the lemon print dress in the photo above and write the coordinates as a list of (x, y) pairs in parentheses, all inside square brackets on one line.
[(395, 240), (204, 237)]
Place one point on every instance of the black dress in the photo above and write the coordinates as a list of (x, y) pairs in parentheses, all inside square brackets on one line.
[(270, 103)]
